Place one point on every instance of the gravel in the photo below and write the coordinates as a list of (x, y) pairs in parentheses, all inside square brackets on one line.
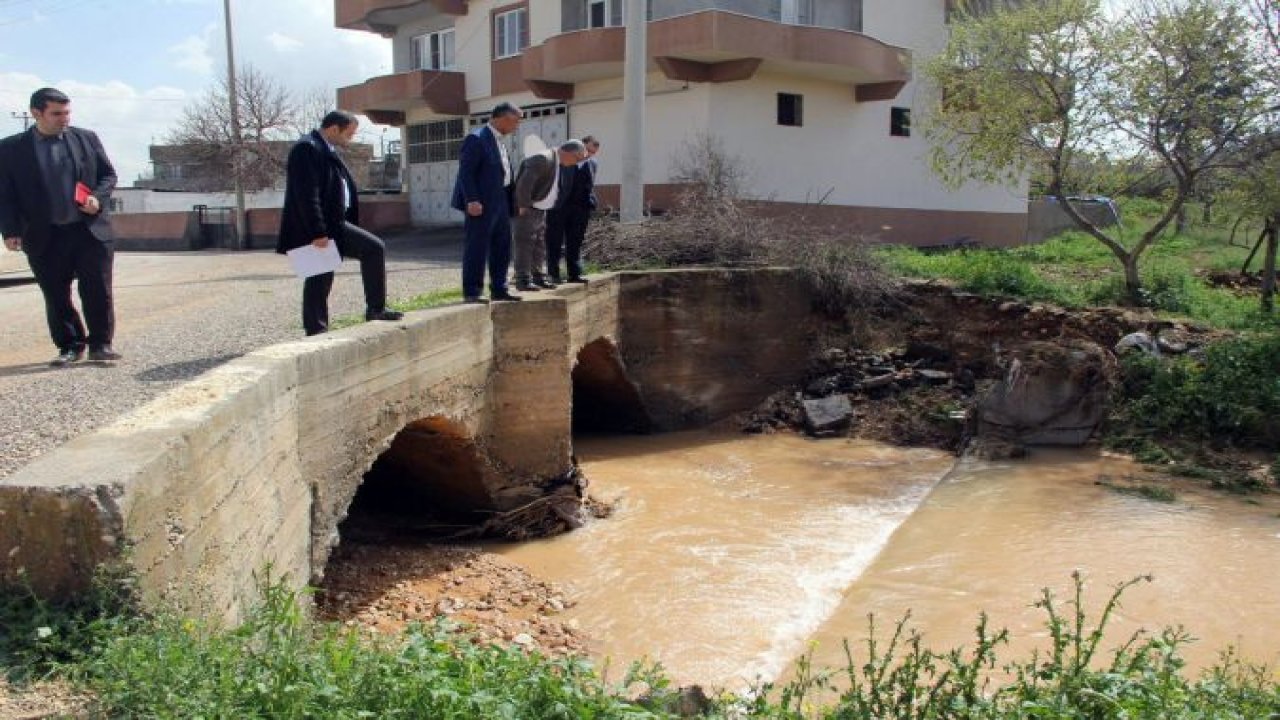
[(177, 315)]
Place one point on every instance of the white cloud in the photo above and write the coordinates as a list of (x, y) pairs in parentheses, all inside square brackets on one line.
[(127, 119), (284, 43), (193, 53)]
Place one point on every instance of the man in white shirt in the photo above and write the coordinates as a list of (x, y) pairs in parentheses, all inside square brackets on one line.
[(542, 184), (482, 191)]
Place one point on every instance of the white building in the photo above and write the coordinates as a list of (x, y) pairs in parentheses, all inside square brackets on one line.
[(817, 96)]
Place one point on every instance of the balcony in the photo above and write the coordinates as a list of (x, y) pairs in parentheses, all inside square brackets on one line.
[(718, 46), (384, 16), (386, 98)]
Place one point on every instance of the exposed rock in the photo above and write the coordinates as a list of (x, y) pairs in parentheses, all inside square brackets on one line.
[(826, 415), (1139, 341), (1052, 394)]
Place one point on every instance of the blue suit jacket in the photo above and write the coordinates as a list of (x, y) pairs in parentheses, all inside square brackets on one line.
[(480, 173)]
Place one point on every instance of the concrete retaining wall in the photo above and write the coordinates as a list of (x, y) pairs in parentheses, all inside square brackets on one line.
[(157, 231), (256, 462)]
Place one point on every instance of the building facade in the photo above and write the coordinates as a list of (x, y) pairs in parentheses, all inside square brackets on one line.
[(815, 97)]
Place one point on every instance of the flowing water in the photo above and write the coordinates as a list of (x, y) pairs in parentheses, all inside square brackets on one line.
[(730, 555)]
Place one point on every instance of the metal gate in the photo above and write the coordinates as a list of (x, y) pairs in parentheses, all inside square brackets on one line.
[(432, 152), (217, 226)]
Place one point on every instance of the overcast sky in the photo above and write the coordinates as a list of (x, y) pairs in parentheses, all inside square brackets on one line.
[(131, 65)]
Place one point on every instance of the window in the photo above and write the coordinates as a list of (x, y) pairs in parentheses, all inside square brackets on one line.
[(796, 12), (435, 141), (604, 13), (900, 122), (510, 33), (790, 109), (433, 51)]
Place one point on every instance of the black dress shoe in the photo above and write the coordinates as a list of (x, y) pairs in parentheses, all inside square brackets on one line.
[(66, 357), (505, 296), (476, 300), (578, 280), (545, 284), (527, 287), (104, 354), (383, 315)]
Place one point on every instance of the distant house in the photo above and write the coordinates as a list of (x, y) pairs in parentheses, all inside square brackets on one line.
[(206, 169), (819, 98)]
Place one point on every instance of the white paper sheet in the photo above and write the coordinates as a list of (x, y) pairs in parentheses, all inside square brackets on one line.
[(310, 260)]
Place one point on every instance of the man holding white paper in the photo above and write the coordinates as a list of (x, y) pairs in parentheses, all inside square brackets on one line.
[(321, 214)]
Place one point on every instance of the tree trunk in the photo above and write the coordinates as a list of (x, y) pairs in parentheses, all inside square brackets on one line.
[(1180, 227), (1206, 213), (1132, 280), (1269, 265)]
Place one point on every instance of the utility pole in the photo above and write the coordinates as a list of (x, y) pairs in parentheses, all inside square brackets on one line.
[(237, 152), (634, 71), (24, 116)]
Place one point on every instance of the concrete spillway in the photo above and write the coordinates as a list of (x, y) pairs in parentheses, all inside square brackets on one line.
[(256, 463)]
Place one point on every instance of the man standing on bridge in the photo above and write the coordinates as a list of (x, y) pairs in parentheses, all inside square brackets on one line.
[(321, 207)]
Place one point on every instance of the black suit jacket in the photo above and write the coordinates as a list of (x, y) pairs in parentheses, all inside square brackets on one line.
[(313, 195), (24, 202), (582, 197)]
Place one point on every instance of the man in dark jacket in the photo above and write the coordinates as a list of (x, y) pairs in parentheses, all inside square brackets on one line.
[(55, 186), (320, 207), (567, 227), (482, 191)]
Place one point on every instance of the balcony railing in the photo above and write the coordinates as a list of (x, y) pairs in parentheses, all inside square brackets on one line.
[(835, 14)]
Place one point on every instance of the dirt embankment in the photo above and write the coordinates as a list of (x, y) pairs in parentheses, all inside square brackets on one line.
[(385, 587)]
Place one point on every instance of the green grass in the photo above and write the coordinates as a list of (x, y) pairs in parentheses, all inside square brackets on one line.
[(1075, 270), (279, 664), (435, 298)]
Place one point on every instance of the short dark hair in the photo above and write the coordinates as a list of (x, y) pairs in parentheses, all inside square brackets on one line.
[(341, 118), (573, 146), (505, 108), (41, 98), (590, 140)]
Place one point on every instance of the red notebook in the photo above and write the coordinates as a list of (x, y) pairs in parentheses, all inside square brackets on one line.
[(82, 193)]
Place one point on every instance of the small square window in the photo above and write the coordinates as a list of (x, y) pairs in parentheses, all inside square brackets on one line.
[(900, 122), (790, 109)]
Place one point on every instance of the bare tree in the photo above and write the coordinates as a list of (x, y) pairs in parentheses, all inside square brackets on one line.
[(310, 109), (204, 137)]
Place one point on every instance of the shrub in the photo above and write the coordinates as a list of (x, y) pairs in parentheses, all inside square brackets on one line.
[(713, 223), (1229, 397)]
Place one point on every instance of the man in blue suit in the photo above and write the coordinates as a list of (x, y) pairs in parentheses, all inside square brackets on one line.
[(483, 192)]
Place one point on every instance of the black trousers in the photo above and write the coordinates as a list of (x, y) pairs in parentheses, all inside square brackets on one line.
[(557, 242), (75, 253), (575, 232), (372, 254)]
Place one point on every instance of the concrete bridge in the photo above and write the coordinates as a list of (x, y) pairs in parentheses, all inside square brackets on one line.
[(256, 462)]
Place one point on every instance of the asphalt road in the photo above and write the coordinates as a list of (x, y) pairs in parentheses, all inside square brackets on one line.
[(177, 315)]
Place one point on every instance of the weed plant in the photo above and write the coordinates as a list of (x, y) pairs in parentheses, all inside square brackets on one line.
[(282, 665)]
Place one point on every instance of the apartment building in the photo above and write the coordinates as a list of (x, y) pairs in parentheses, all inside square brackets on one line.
[(817, 97)]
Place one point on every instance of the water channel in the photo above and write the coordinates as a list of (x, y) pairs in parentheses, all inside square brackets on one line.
[(729, 555)]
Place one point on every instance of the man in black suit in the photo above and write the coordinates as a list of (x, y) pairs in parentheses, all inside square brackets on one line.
[(320, 207), (567, 227), (55, 184)]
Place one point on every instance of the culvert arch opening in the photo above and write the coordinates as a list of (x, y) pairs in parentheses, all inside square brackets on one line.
[(429, 482), (605, 398)]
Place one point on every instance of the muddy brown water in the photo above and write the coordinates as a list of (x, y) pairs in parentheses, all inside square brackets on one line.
[(730, 555)]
